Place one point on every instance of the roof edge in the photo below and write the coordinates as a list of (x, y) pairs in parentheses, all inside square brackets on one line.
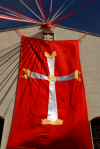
[(56, 25), (19, 28), (78, 30)]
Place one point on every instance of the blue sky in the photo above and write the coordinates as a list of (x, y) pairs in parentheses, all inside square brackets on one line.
[(87, 19)]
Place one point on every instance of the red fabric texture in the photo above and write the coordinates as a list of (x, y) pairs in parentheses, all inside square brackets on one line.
[(31, 105)]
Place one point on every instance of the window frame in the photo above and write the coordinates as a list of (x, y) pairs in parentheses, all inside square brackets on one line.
[(1, 129), (48, 33), (95, 128)]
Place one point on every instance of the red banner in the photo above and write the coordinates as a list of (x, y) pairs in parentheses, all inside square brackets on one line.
[(50, 109)]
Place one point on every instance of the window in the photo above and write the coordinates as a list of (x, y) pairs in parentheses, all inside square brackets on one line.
[(48, 36), (95, 125), (1, 127)]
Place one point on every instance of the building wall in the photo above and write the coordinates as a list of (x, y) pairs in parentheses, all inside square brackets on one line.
[(10, 42)]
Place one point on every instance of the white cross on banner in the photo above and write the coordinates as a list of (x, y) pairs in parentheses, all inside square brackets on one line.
[(52, 117)]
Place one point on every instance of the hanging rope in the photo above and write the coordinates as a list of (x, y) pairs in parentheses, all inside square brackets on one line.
[(72, 12), (51, 6), (34, 8), (1, 11), (31, 10), (80, 39), (18, 31), (42, 10), (57, 11), (52, 3), (12, 11), (24, 18), (18, 16), (17, 19), (62, 11), (50, 11), (39, 9)]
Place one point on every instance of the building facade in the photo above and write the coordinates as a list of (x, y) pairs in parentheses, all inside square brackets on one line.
[(10, 42)]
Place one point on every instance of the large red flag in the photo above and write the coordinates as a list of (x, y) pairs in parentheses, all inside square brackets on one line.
[(50, 109)]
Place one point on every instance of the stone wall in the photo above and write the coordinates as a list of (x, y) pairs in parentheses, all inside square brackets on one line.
[(10, 42)]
